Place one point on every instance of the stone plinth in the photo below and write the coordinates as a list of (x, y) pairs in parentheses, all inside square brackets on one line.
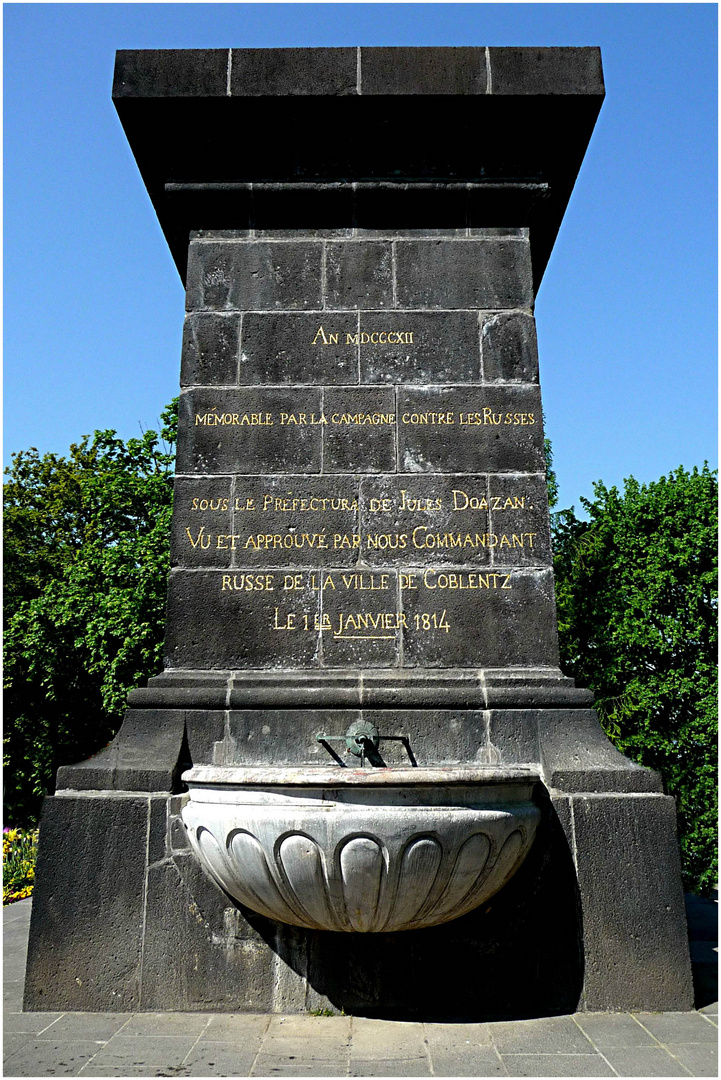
[(360, 536)]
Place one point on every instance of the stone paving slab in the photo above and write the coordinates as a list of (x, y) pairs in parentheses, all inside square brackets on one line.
[(475, 1061), (150, 1052), (549, 1035), (643, 1061), (416, 1066), (614, 1029), (246, 1044), (50, 1057), (297, 1065), (556, 1065), (701, 1059), (246, 1028), (386, 1040), (218, 1059), (678, 1027)]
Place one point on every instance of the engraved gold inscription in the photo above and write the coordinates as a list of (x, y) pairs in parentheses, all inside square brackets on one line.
[(227, 419), (214, 418), (375, 337), (355, 622), (314, 504), (470, 419), (422, 538)]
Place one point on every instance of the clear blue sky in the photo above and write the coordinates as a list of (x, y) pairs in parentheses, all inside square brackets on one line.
[(627, 309)]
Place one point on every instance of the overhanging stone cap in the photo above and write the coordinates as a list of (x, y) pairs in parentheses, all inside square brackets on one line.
[(365, 71), (256, 138)]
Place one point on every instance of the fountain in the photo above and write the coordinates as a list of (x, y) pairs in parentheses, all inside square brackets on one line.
[(361, 780)]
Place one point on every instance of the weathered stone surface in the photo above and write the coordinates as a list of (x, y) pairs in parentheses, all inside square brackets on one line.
[(434, 71), (203, 511), (270, 620), (470, 429), (359, 275), (641, 954), (361, 626), (151, 73), (253, 275), (464, 274), (361, 433), (546, 71), (86, 929), (199, 951), (290, 72), (299, 348), (510, 349), (145, 756), (419, 347), (210, 350), (249, 430), (501, 618), (279, 521), (577, 756)]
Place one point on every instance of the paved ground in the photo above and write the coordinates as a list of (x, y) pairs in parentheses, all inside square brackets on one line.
[(203, 1044)]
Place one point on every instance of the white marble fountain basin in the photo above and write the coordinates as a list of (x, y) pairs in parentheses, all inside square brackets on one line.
[(362, 850)]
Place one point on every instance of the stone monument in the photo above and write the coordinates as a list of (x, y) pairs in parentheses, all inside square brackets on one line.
[(361, 780)]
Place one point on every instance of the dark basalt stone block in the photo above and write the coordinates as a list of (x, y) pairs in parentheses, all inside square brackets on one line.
[(500, 618), (455, 520), (216, 941), (86, 933), (510, 349), (249, 431), (293, 72), (210, 350), (419, 347), (360, 622), (253, 275), (360, 435), (470, 429), (405, 519), (149, 73), (464, 274), (436, 71), (295, 521), (639, 958), (286, 737), (144, 756), (545, 70), (242, 619), (577, 756), (202, 513), (318, 347), (359, 274)]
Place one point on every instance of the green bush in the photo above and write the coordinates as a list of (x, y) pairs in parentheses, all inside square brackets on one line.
[(86, 564), (637, 609)]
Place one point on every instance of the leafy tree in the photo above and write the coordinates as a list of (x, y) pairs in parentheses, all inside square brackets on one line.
[(637, 607), (86, 562), (551, 478)]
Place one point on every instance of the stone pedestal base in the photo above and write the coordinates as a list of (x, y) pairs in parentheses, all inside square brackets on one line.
[(125, 919)]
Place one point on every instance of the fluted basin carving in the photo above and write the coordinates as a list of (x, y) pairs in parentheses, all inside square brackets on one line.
[(364, 850)]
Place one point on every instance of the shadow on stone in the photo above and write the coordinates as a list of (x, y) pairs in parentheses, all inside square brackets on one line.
[(702, 918), (518, 956)]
